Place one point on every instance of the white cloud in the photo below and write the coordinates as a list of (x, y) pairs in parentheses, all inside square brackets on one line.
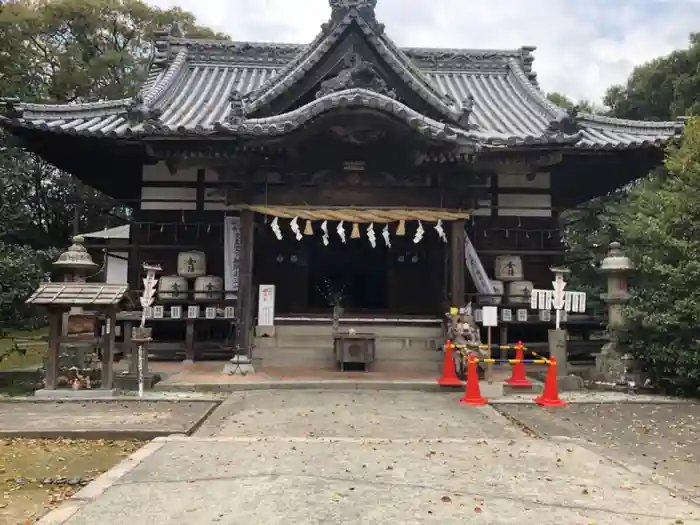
[(582, 47)]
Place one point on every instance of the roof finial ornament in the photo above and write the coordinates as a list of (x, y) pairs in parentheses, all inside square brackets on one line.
[(237, 113), (340, 8), (177, 30), (565, 122), (466, 111), (11, 108), (139, 111)]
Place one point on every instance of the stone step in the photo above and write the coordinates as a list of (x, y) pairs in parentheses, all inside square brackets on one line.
[(418, 366), (290, 352), (381, 353), (306, 364), (326, 341), (310, 341), (400, 331)]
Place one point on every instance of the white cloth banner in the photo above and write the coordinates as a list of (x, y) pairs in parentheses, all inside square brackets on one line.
[(232, 255), (476, 269)]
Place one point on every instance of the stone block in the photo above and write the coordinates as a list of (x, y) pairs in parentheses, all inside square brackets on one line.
[(558, 350), (131, 381), (570, 383), (239, 365), (69, 393), (265, 331)]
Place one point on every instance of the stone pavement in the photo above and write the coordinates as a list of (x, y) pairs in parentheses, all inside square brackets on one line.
[(312, 457), (660, 438), (114, 419), (354, 414)]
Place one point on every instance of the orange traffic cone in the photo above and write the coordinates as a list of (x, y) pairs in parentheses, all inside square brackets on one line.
[(550, 394), (449, 375), (472, 394), (518, 378)]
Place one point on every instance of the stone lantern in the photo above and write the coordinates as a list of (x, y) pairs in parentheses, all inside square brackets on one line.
[(617, 267), (74, 266), (75, 263), (71, 353)]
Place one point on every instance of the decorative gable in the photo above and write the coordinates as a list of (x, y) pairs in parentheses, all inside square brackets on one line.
[(352, 51)]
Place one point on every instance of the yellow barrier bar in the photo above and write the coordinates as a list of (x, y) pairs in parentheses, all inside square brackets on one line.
[(513, 361), (485, 347)]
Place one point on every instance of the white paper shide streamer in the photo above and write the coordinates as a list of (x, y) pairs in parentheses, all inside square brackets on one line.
[(387, 236), (340, 229), (441, 231), (371, 235), (324, 229), (275, 225), (419, 233), (295, 228)]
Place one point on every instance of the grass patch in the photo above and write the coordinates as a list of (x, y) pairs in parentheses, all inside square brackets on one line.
[(32, 346), (36, 474)]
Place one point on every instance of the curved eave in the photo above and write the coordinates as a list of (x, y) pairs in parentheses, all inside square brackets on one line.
[(296, 70), (598, 132), (351, 98), (95, 126)]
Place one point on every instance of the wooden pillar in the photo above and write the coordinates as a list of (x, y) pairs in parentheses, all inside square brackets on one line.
[(457, 263), (133, 268), (128, 347), (245, 286), (55, 326), (108, 343)]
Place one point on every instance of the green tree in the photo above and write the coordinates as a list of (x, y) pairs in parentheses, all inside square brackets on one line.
[(587, 231), (659, 90), (662, 89), (82, 50), (21, 270), (59, 51), (565, 102), (661, 228)]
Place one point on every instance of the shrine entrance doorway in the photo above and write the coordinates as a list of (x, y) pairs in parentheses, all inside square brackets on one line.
[(406, 279), (352, 272)]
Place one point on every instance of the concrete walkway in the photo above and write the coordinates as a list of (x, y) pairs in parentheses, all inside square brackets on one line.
[(112, 419), (312, 457)]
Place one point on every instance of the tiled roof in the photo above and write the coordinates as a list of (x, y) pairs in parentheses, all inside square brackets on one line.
[(78, 294), (188, 93)]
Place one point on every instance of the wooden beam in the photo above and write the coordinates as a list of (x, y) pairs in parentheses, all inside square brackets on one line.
[(457, 263), (350, 196), (245, 291)]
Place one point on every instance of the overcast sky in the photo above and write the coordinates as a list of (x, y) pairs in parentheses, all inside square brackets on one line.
[(583, 46)]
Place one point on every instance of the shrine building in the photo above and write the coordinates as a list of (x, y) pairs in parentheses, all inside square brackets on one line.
[(282, 187)]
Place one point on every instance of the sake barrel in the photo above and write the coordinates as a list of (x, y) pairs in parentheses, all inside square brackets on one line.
[(208, 288), (519, 292), (509, 268), (172, 288), (191, 264), (498, 291)]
